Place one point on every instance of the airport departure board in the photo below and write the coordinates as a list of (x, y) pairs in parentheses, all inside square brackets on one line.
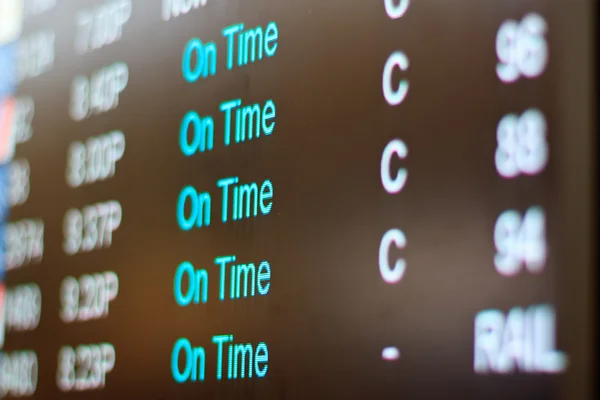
[(296, 199)]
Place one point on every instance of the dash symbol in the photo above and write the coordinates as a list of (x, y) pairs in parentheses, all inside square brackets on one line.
[(390, 354)]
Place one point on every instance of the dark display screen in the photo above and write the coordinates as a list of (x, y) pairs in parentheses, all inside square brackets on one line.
[(295, 199)]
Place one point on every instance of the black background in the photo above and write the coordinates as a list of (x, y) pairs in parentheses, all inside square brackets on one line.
[(328, 314)]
